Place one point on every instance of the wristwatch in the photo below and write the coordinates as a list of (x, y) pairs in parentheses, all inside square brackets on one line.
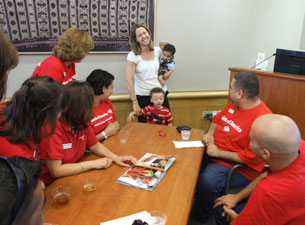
[(104, 134)]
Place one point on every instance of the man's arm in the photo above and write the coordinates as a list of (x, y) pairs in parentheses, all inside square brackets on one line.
[(231, 200), (215, 152), (208, 138)]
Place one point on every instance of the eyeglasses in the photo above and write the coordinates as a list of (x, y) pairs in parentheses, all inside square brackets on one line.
[(22, 180)]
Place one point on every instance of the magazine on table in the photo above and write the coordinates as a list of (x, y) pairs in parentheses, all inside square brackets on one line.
[(147, 172)]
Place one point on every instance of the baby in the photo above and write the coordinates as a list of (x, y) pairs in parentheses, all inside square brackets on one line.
[(167, 65)]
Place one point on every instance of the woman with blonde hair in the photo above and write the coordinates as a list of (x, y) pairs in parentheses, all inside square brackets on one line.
[(72, 47), (142, 69)]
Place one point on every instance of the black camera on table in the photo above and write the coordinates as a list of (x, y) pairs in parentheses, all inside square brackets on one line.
[(163, 66)]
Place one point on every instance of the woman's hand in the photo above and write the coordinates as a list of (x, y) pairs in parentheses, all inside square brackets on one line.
[(102, 163), (128, 158), (136, 108)]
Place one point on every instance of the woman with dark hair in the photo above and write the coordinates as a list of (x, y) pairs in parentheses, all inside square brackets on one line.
[(21, 192), (62, 151), (104, 122), (8, 61), (72, 47), (142, 69), (30, 115)]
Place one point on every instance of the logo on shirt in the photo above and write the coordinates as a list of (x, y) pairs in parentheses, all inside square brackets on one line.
[(231, 122), (101, 116), (231, 111), (82, 137), (226, 128)]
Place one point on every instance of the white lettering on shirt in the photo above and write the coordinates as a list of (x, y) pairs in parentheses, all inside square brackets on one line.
[(101, 116), (231, 122), (226, 128)]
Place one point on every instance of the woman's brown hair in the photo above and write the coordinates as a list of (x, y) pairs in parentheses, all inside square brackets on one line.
[(8, 61), (134, 45), (80, 106), (73, 45)]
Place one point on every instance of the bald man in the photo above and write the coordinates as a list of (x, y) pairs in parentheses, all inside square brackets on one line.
[(278, 196)]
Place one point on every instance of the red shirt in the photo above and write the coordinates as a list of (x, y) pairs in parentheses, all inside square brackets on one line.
[(57, 69), (279, 198), (103, 115), (232, 134), (26, 150), (66, 146), (157, 116)]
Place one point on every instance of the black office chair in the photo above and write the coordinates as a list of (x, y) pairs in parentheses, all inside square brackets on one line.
[(228, 179)]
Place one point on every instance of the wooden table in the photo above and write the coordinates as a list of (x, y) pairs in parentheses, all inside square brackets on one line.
[(173, 194)]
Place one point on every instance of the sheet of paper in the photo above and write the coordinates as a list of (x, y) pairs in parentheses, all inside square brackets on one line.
[(144, 216), (187, 144)]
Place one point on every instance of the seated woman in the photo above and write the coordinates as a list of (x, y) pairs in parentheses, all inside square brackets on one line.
[(104, 122), (62, 151), (30, 115)]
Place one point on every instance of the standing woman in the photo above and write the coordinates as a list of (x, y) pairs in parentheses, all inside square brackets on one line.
[(72, 47), (8, 61), (62, 151), (30, 115), (142, 69)]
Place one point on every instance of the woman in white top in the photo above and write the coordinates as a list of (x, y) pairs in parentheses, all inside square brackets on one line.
[(142, 69)]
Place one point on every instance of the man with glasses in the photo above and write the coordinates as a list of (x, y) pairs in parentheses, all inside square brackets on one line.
[(21, 192)]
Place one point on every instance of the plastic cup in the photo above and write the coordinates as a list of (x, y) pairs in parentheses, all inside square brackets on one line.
[(61, 195), (185, 134), (157, 218), (123, 136), (89, 182)]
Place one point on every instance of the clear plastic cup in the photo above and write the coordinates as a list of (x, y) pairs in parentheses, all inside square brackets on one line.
[(123, 136), (157, 218), (61, 195), (89, 182), (185, 134)]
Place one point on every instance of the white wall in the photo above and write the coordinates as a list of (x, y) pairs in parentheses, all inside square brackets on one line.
[(209, 36)]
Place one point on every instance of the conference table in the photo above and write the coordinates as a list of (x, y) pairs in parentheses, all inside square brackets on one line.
[(173, 195)]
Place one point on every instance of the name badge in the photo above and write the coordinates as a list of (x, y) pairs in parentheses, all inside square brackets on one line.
[(67, 146)]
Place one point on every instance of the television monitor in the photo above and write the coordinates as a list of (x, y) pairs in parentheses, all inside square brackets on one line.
[(289, 61)]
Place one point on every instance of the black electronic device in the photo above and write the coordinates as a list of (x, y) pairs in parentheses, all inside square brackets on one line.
[(180, 128), (289, 61)]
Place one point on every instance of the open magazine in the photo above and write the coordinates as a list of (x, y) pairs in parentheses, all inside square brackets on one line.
[(147, 172)]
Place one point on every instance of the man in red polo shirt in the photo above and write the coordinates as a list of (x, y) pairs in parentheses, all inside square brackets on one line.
[(278, 197), (227, 142)]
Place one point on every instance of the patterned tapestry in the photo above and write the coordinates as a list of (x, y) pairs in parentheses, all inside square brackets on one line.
[(34, 25)]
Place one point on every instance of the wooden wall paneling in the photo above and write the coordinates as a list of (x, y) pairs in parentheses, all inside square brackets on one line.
[(186, 107)]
